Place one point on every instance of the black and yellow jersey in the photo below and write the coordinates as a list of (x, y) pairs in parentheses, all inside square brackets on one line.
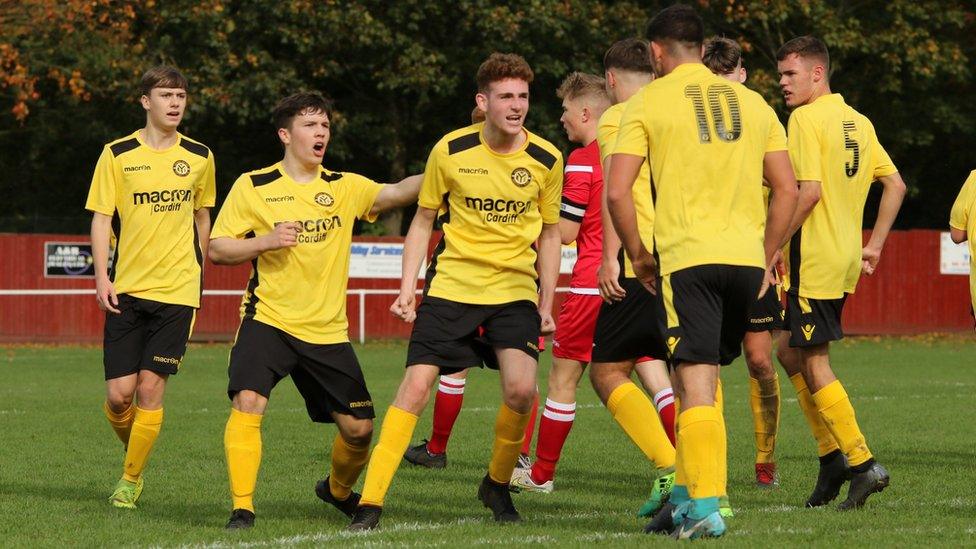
[(494, 206), (301, 289), (607, 130), (963, 218), (152, 195), (706, 138), (832, 143)]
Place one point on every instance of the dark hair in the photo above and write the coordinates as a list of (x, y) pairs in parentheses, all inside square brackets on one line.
[(805, 46), (677, 24), (500, 66), (162, 76), (297, 103), (629, 54), (722, 55)]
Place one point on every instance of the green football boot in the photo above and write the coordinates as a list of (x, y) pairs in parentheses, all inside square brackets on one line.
[(660, 493)]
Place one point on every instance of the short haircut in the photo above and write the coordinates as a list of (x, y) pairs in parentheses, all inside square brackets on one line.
[(677, 24), (722, 55), (581, 84), (629, 54), (162, 76), (500, 66), (477, 115), (297, 103), (805, 46)]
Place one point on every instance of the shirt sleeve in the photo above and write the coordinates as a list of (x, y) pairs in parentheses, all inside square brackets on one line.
[(606, 133), (577, 183), (633, 137), (883, 166), (963, 206), (101, 194), (205, 195), (776, 140), (804, 147), (236, 217), (550, 193), (366, 191), (435, 184)]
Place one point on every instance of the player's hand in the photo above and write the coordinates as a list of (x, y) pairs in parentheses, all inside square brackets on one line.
[(607, 277), (771, 276), (405, 306), (548, 325), (284, 235), (105, 295), (869, 259), (645, 268)]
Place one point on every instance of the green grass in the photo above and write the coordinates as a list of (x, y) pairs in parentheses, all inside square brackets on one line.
[(915, 400)]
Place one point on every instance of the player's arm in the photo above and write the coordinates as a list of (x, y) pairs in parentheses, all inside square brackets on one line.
[(624, 171), (807, 199), (101, 231), (414, 251), (608, 275), (397, 195), (226, 250), (892, 196), (782, 211), (547, 265), (201, 218), (568, 230), (958, 235)]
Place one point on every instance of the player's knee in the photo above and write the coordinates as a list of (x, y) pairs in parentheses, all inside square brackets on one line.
[(150, 392), (358, 433), (413, 394), (118, 401), (520, 398), (760, 364), (249, 402)]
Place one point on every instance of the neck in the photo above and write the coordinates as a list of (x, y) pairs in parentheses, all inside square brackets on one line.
[(500, 141), (627, 84), (300, 172), (672, 62), (819, 92), (589, 136), (158, 138)]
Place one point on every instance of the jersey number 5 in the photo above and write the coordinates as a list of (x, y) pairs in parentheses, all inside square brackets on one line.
[(850, 168), (715, 94)]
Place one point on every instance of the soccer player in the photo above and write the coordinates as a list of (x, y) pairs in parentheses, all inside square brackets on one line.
[(584, 99), (709, 143), (627, 332), (723, 57), (293, 222), (962, 223), (837, 156), (500, 186), (153, 191)]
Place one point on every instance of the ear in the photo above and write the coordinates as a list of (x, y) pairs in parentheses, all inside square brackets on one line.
[(819, 73), (657, 51), (585, 114), (285, 136), (742, 75), (145, 102), (482, 101), (611, 79)]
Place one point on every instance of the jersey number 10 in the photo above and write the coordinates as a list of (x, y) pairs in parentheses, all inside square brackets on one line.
[(715, 94)]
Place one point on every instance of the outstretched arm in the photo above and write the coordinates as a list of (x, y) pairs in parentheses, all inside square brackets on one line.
[(397, 195)]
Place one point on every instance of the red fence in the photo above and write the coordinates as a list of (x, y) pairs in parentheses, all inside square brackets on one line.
[(908, 295)]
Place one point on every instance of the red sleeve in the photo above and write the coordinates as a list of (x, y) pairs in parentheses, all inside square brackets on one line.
[(577, 184)]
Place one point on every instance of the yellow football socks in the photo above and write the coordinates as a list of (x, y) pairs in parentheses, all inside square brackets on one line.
[(242, 446), (347, 463), (764, 399), (121, 423), (398, 426), (722, 453), (838, 414), (635, 414), (699, 431), (825, 440), (509, 432), (145, 429)]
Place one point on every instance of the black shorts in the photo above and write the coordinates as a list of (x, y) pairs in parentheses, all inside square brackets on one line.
[(707, 311), (630, 328), (767, 313), (146, 335), (445, 333), (328, 376), (813, 322)]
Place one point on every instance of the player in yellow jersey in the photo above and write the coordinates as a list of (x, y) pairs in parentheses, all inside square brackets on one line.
[(962, 225), (499, 186), (837, 156), (723, 56), (293, 222), (709, 143), (153, 190)]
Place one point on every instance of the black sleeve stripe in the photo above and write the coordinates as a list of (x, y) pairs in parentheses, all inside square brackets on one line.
[(569, 202), (195, 148), (463, 143), (124, 146), (572, 217), (330, 177), (259, 179), (543, 156)]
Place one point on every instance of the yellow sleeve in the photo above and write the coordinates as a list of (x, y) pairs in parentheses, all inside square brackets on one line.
[(632, 137), (101, 194), (236, 217), (776, 140), (804, 148), (435, 184), (205, 195), (882, 162), (552, 190), (606, 135), (366, 192), (963, 206)]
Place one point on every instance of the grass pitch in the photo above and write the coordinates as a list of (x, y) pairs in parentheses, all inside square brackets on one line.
[(59, 461)]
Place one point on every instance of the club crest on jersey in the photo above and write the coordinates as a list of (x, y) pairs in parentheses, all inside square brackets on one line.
[(521, 177), (181, 168), (324, 199)]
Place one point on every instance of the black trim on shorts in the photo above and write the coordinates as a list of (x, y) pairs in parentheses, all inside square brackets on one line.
[(795, 258), (821, 325)]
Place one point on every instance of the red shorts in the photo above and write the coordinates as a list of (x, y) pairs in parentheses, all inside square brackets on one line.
[(573, 339)]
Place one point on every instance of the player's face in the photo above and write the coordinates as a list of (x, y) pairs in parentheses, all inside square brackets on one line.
[(505, 104), (796, 80), (308, 136), (572, 119), (165, 107)]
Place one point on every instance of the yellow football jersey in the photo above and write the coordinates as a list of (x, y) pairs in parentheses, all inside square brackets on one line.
[(832, 143), (301, 289), (607, 130), (495, 205), (152, 195), (706, 138), (963, 217)]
